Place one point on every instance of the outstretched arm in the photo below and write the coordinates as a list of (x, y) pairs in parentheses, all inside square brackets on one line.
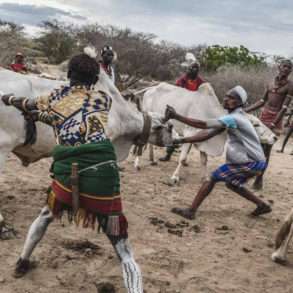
[(171, 114), (200, 136), (258, 104), (21, 103)]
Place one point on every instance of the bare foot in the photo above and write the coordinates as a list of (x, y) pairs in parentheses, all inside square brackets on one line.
[(185, 213)]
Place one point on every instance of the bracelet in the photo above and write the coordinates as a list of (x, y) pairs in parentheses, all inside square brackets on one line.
[(10, 99)]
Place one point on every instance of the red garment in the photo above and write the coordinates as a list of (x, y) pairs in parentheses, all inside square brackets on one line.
[(189, 84), (267, 117), (18, 67)]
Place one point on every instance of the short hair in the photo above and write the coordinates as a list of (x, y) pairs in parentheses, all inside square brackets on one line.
[(84, 69)]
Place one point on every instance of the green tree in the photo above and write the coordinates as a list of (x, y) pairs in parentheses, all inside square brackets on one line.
[(214, 57)]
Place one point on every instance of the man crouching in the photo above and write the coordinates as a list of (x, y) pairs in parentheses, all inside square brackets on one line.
[(244, 157)]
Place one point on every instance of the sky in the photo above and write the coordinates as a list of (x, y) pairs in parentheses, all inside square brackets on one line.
[(262, 26)]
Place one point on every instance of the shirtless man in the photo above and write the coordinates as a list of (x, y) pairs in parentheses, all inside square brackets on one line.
[(275, 102)]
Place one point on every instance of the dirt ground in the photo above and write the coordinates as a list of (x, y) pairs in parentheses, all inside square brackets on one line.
[(222, 251)]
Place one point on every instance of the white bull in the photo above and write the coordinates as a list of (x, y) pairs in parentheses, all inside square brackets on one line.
[(124, 125), (202, 104)]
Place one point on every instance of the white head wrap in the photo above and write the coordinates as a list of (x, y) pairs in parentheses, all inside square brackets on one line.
[(189, 60), (239, 92)]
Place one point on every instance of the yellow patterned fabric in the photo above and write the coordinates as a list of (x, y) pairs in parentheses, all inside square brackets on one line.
[(78, 115)]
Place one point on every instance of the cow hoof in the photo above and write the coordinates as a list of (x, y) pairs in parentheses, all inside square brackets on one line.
[(173, 181), (7, 233), (154, 163), (184, 163), (137, 168), (277, 259)]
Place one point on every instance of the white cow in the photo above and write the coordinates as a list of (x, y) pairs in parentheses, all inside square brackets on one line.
[(202, 104), (125, 122)]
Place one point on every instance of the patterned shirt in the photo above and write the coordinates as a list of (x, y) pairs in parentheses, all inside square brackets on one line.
[(78, 115)]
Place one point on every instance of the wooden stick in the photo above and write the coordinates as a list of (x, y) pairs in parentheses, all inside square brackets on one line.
[(74, 186)]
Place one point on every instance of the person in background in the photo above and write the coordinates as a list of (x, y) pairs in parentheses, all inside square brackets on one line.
[(19, 64), (274, 104), (108, 56), (191, 81)]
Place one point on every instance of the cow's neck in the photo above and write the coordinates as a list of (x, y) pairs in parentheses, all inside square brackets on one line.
[(128, 120)]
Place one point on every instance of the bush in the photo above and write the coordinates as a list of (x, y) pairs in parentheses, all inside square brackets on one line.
[(253, 80), (214, 57)]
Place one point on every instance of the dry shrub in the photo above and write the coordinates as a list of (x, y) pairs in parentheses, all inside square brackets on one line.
[(253, 80)]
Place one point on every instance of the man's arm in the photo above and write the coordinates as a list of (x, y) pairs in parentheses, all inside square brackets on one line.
[(258, 104), (171, 114), (21, 103), (200, 136)]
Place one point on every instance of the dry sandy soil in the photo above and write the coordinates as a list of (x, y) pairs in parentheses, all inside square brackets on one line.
[(222, 250)]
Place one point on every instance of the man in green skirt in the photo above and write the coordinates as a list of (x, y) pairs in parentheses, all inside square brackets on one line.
[(78, 115)]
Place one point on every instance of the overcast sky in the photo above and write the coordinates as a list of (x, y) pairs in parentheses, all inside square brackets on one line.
[(261, 25)]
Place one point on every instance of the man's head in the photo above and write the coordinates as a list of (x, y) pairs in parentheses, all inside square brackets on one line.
[(193, 70), (235, 98), (19, 58), (107, 54), (83, 69), (285, 67)]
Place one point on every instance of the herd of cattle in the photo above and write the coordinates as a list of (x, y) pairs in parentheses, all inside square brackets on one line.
[(126, 123)]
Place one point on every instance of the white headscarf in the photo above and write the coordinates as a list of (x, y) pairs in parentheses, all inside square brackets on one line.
[(239, 92), (189, 60)]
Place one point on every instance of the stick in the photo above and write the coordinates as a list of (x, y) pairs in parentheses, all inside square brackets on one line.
[(74, 186)]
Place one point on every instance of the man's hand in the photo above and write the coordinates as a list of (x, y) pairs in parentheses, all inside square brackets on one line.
[(170, 113), (5, 99)]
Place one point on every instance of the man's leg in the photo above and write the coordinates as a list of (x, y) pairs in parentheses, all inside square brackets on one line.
[(131, 271), (205, 190), (262, 207), (35, 234), (169, 151), (258, 183), (289, 133)]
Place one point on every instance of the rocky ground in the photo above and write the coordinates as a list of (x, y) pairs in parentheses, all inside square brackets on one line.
[(222, 251)]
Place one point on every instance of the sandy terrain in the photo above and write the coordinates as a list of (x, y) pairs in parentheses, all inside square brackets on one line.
[(223, 250)]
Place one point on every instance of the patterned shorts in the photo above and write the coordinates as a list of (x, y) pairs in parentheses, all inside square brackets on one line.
[(237, 174)]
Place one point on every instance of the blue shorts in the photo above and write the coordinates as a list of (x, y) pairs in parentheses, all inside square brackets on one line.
[(237, 174)]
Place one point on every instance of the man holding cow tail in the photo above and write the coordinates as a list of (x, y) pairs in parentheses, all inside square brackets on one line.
[(190, 81), (244, 158), (86, 181)]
